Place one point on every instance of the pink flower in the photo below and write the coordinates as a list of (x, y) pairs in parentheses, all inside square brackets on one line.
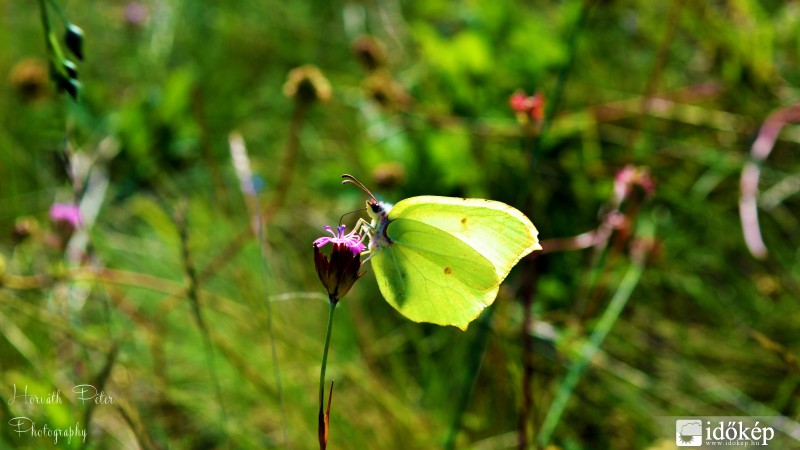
[(352, 241), (66, 212)]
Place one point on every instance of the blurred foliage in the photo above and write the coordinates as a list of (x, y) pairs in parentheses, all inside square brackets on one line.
[(420, 108)]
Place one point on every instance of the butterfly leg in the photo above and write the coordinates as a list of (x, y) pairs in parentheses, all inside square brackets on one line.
[(367, 230), (364, 227), (366, 256)]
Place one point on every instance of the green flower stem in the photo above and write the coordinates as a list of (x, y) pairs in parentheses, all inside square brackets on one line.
[(324, 416), (325, 358)]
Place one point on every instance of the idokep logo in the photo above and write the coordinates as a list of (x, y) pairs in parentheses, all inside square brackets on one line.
[(689, 433), (728, 431), (738, 432)]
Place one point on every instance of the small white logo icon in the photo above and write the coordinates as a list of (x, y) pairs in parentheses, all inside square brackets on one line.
[(689, 433)]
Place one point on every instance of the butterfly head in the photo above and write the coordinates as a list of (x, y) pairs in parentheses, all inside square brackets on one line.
[(377, 210)]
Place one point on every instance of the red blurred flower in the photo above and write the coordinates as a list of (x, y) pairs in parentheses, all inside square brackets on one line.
[(527, 106)]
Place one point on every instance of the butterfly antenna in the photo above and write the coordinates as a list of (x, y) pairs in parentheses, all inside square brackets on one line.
[(352, 180), (351, 212)]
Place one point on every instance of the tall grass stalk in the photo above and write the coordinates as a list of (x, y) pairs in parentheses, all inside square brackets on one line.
[(567, 386), (477, 352), (265, 272), (558, 90), (194, 299)]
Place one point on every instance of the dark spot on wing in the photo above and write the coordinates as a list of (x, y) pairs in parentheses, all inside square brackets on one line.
[(464, 221), (448, 271)]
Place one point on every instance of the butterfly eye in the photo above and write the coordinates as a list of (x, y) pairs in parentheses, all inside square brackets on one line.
[(376, 208)]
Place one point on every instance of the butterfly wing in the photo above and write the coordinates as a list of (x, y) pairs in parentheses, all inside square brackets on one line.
[(429, 275), (500, 233)]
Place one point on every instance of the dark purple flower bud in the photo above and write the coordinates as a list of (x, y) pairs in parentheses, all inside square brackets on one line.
[(339, 272)]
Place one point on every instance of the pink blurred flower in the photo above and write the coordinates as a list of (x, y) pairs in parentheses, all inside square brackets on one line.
[(136, 14), (66, 212), (629, 177)]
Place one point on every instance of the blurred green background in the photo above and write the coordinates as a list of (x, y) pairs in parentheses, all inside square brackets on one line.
[(667, 314)]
